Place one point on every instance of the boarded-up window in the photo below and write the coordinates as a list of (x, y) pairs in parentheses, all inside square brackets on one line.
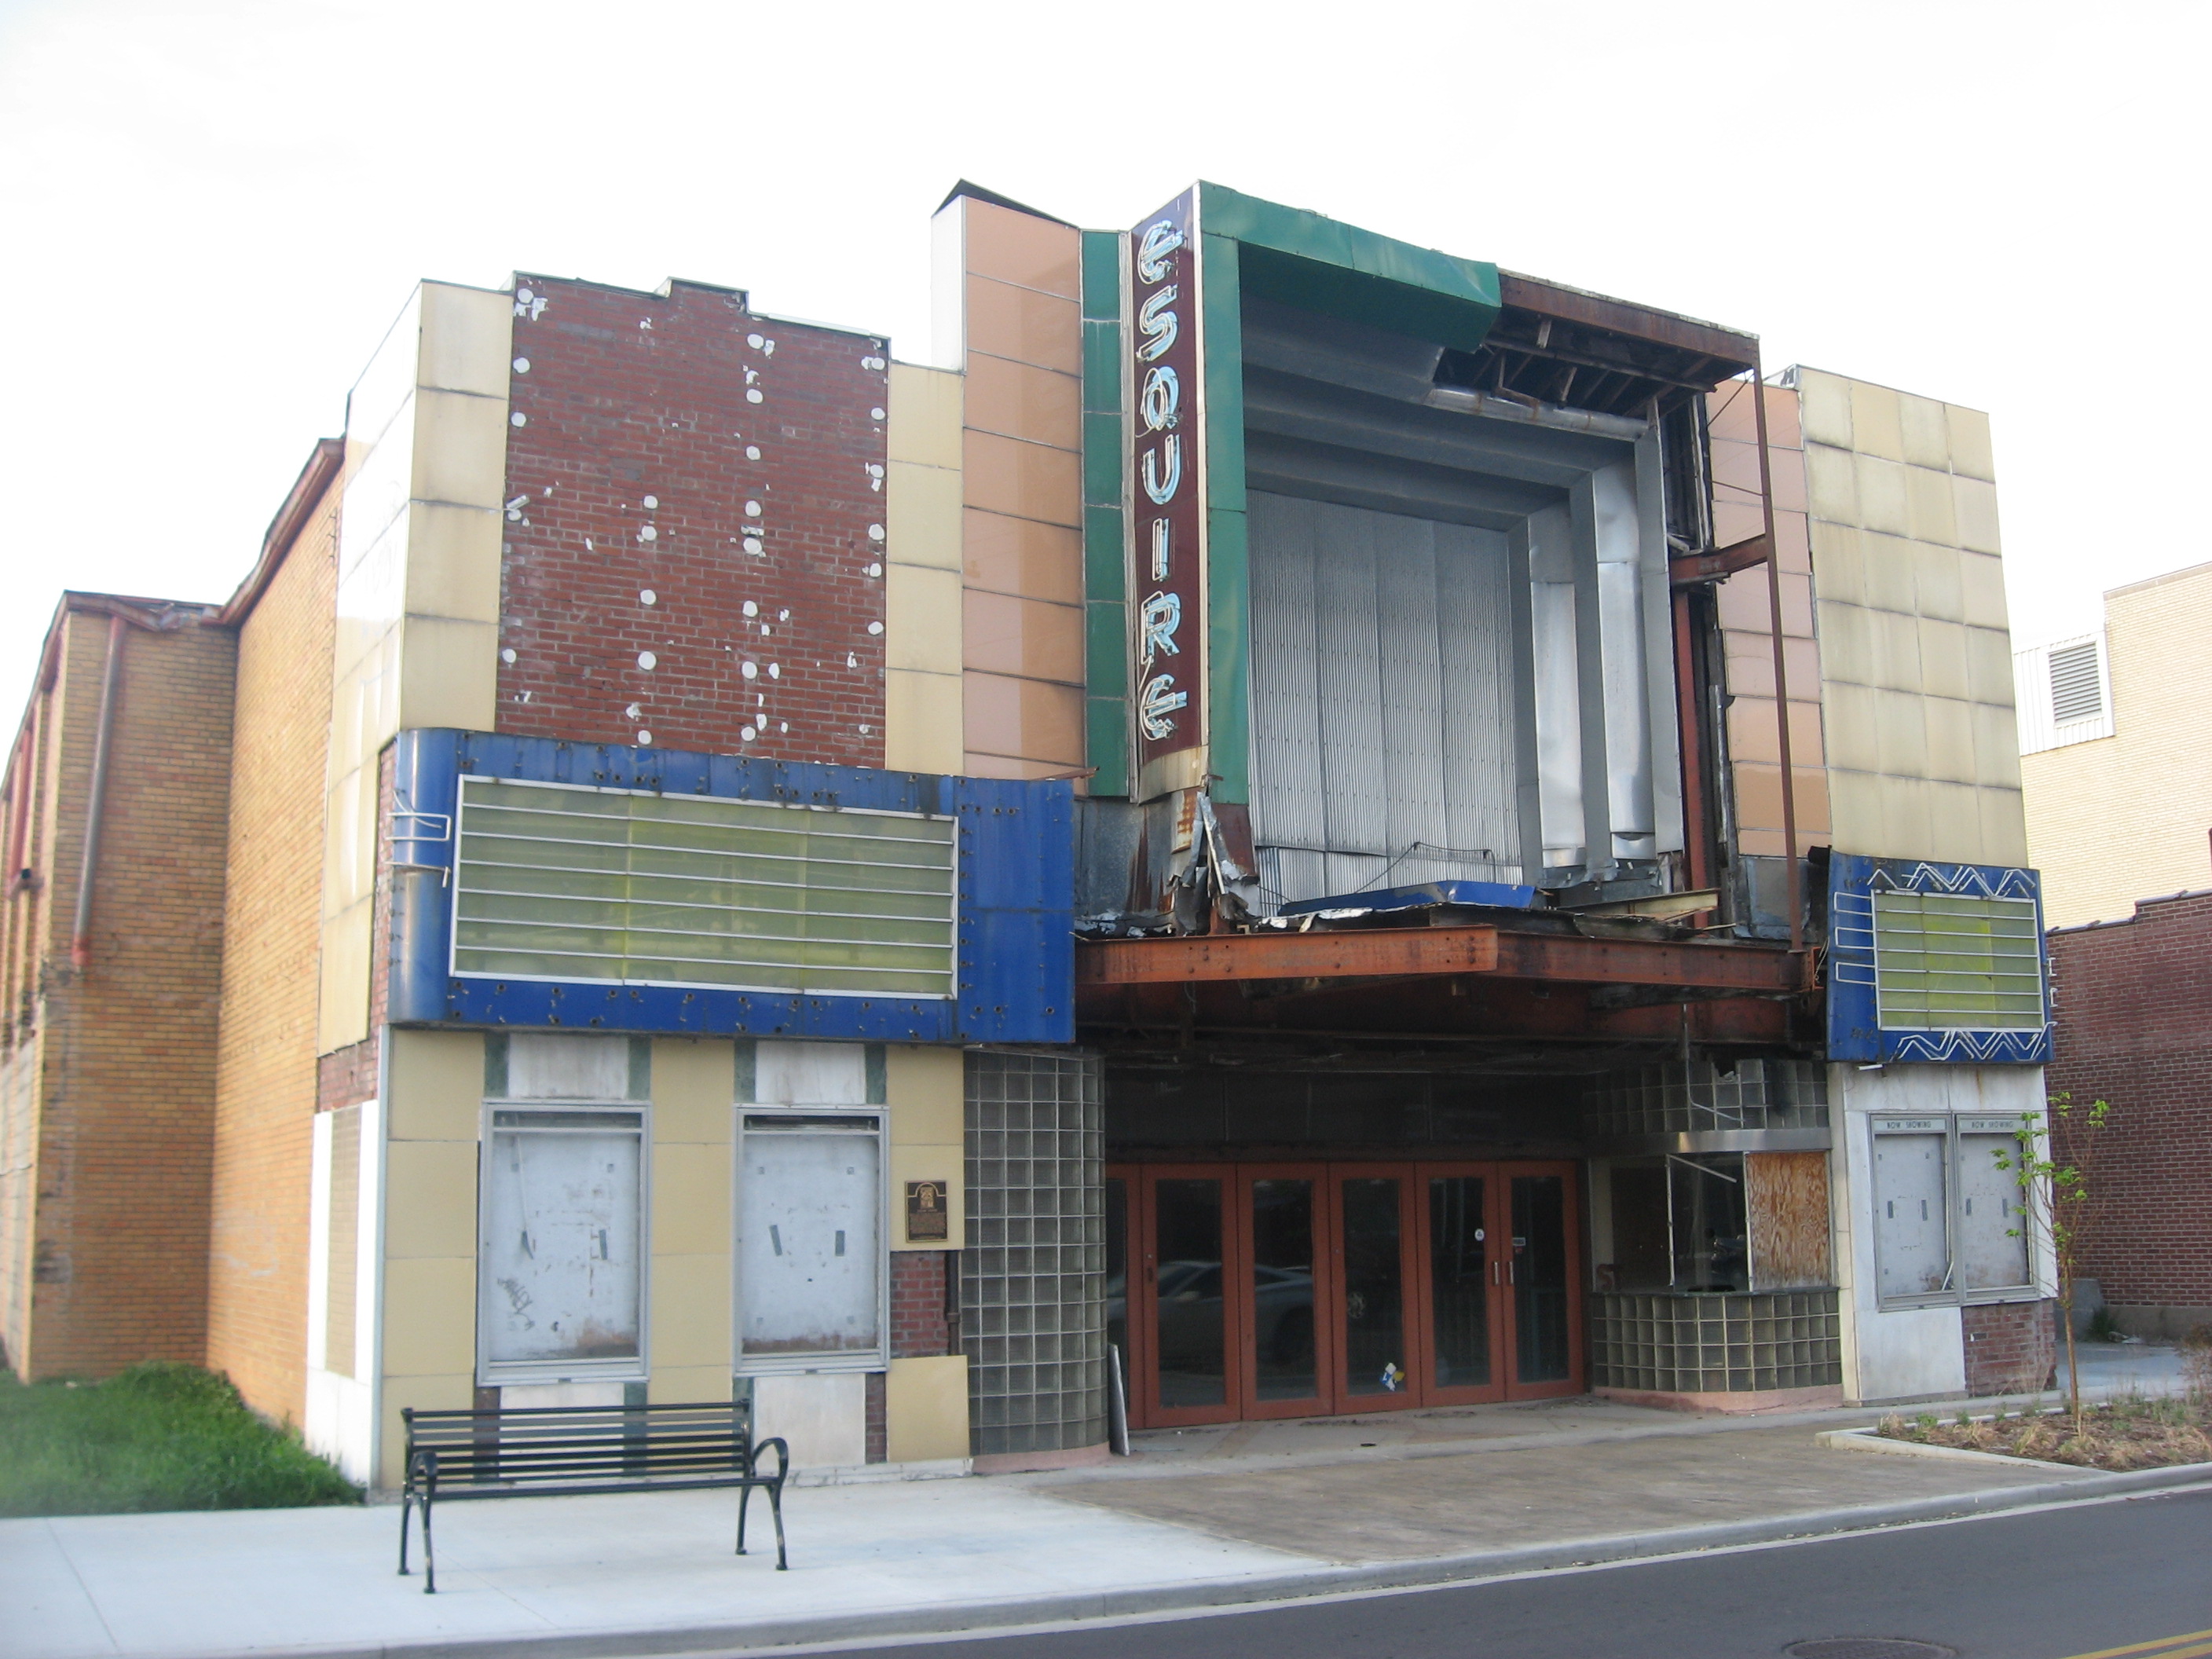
[(1911, 1236), (810, 1201), (1992, 1232), (344, 1267), (562, 1290), (1787, 1194)]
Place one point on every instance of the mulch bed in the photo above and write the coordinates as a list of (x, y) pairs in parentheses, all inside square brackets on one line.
[(2129, 1434)]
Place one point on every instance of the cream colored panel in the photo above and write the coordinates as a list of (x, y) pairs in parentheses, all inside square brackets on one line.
[(1976, 504), (1881, 494), (454, 1391), (1982, 590), (460, 448), (453, 562), (823, 1416), (1950, 739), (1955, 822), (925, 1409), (1825, 403), (342, 1017), (1891, 579), (683, 1385), (925, 417), (922, 619), (1838, 566), (1854, 807), (694, 1083), (1928, 506), (1943, 671), (1996, 746), (923, 512), (1901, 733), (922, 715), (1970, 443), (1851, 726), (450, 673), (466, 339), (429, 1316), (436, 1086), (690, 1309), (1926, 430), (690, 1198), (388, 381), (1937, 579), (431, 1199), (2004, 826), (927, 1090), (1832, 489), (1989, 667), (1874, 425)]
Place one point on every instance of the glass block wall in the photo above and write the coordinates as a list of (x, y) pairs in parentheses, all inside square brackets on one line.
[(1730, 1344), (1033, 1275), (1673, 1097)]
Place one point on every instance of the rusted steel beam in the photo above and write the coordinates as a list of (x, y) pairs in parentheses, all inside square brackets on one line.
[(1366, 954), (1651, 962), (1686, 570)]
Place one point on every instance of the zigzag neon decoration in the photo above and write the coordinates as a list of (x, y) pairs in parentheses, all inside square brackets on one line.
[(1984, 1046), (2013, 883)]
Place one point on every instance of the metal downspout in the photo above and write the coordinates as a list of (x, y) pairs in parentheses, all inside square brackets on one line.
[(80, 938), (1781, 674)]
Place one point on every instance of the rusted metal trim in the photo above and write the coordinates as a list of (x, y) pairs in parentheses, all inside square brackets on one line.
[(1697, 836), (1638, 322), (1651, 962), (315, 479), (1687, 570), (1372, 953), (1781, 672)]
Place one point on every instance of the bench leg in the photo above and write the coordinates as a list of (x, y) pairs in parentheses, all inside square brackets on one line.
[(406, 1515), (775, 1508), (429, 1552), (744, 1497)]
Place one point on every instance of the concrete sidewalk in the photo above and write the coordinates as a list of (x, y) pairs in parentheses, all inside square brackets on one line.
[(1289, 1510)]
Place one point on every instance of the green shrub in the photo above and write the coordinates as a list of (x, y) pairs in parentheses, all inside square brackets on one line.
[(160, 1435)]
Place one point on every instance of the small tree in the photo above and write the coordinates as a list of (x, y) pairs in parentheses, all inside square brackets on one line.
[(2056, 1203)]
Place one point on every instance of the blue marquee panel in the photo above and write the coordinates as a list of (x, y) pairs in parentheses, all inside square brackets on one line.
[(1854, 1030), (1016, 950)]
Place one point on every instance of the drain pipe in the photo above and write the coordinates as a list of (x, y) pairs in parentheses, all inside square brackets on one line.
[(81, 940)]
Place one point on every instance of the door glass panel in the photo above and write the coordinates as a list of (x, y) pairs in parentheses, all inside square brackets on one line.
[(1374, 1317), (1117, 1268), (1282, 1290), (1540, 1278), (1459, 1281), (1188, 1342)]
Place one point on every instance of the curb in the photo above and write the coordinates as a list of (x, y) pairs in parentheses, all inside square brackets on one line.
[(1000, 1618)]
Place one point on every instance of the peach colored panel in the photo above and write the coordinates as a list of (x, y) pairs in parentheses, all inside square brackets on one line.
[(1002, 635), (1023, 249), (1752, 735), (1023, 401), (1023, 325), (1750, 666), (1021, 556), (1731, 416), (1030, 481), (1025, 720), (980, 765)]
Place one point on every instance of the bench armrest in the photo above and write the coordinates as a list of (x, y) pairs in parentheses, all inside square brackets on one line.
[(782, 1458)]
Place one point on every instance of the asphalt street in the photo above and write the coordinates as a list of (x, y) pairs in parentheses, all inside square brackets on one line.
[(2083, 1580)]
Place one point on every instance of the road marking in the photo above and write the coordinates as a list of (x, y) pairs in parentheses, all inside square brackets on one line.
[(2167, 1647)]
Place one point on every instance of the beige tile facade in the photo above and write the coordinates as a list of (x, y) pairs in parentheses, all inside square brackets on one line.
[(1021, 623), (1908, 594), (2130, 816), (922, 598)]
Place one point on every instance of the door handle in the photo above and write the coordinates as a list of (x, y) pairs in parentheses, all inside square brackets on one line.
[(1497, 1274)]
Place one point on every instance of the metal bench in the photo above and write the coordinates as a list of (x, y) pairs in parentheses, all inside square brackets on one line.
[(556, 1451)]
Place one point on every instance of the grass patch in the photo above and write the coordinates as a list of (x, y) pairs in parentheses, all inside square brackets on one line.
[(157, 1436)]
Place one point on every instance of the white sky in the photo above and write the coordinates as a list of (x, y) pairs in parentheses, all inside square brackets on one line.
[(212, 210)]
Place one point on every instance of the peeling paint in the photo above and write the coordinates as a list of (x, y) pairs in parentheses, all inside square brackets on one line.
[(646, 596), (522, 364), (647, 660), (508, 655)]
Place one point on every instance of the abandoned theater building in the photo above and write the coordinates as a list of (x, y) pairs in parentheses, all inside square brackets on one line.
[(1294, 824)]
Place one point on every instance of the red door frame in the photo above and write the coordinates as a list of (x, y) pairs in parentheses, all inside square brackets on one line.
[(1333, 1398)]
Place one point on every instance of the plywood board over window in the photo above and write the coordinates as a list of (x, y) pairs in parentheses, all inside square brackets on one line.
[(1786, 1199)]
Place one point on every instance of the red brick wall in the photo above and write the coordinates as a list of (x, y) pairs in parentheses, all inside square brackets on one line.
[(2133, 1013), (640, 462), (919, 1324), (120, 1226), (2009, 1346)]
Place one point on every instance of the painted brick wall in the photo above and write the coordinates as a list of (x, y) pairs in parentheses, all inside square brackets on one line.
[(2131, 1002), (119, 1234), (2009, 1346), (919, 1326), (266, 1080), (730, 465)]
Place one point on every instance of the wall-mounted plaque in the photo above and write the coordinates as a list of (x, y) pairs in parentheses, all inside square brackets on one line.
[(927, 1217)]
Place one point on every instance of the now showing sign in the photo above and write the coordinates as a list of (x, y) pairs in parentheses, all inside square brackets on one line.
[(1165, 489)]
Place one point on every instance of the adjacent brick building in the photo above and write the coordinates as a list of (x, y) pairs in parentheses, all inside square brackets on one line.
[(2133, 998), (106, 1075)]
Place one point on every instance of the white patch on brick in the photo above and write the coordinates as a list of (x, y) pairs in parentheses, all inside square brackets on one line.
[(647, 660)]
